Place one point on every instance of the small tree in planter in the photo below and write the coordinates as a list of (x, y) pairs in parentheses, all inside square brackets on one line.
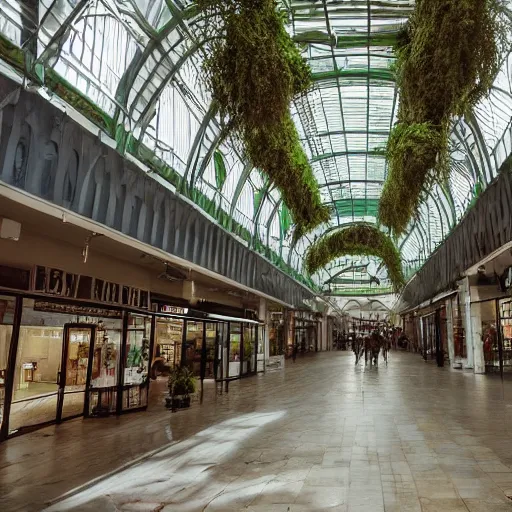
[(182, 384)]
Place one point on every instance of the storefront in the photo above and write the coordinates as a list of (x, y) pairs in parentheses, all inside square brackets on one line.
[(459, 331), (276, 334), (73, 345), (434, 334), (306, 331), (496, 335)]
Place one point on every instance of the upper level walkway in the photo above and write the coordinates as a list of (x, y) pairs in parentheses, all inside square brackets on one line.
[(320, 435)]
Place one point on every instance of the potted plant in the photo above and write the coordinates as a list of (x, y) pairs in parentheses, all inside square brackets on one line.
[(182, 384)]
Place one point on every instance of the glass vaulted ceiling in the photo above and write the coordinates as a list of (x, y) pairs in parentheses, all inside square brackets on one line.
[(138, 61)]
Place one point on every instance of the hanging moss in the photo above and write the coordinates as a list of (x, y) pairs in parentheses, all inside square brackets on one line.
[(357, 239), (412, 152), (448, 56), (254, 70)]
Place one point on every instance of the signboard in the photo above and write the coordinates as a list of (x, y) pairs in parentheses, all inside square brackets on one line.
[(74, 309), (174, 310), (64, 284)]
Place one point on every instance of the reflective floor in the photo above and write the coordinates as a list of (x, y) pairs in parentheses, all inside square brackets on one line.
[(319, 435)]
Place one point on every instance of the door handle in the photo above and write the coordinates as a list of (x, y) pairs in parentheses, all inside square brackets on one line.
[(59, 373)]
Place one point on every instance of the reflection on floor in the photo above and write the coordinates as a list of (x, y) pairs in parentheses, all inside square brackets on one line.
[(320, 435), (34, 389)]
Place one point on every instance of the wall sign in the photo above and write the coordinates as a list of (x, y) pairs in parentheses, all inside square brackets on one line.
[(64, 284), (175, 310), (73, 309)]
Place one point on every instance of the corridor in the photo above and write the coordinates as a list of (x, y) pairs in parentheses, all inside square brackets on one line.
[(319, 435)]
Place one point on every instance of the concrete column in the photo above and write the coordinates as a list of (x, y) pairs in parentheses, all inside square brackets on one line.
[(264, 315), (449, 331), (476, 332), (325, 333), (470, 362)]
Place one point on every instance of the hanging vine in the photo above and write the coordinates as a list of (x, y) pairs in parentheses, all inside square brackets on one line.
[(357, 239), (448, 56), (254, 71)]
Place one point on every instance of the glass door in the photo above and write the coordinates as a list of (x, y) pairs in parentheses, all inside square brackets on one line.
[(78, 340), (211, 341), (221, 353), (248, 365), (194, 343), (235, 330)]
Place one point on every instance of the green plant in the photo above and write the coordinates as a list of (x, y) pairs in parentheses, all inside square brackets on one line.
[(414, 152), (447, 58), (137, 355), (357, 239), (254, 71), (181, 382), (248, 350), (134, 357)]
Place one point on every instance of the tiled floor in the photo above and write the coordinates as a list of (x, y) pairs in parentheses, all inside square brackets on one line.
[(320, 435)]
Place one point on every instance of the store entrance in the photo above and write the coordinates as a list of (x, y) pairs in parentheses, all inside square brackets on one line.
[(75, 372)]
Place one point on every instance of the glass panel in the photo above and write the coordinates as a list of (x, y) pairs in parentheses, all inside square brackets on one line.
[(222, 351), (459, 337), (249, 346), (194, 344), (136, 364), (261, 349), (168, 339), (276, 335), (38, 365), (73, 404), (291, 334), (506, 331), (105, 364), (211, 336), (7, 307), (489, 336), (234, 349), (77, 362)]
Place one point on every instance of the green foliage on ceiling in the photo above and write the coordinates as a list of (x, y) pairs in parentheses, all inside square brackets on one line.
[(412, 151), (58, 85), (254, 71), (357, 239), (448, 56)]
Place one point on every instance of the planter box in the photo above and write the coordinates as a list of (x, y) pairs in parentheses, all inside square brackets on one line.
[(177, 402)]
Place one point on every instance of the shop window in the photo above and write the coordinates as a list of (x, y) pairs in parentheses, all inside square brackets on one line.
[(260, 356), (459, 336), (505, 306), (194, 344), (7, 307), (136, 363), (489, 335), (38, 366), (211, 337), (249, 355), (234, 349), (168, 340), (105, 364), (276, 335), (222, 350)]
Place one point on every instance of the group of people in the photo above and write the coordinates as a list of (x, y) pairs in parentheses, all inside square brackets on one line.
[(371, 345)]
